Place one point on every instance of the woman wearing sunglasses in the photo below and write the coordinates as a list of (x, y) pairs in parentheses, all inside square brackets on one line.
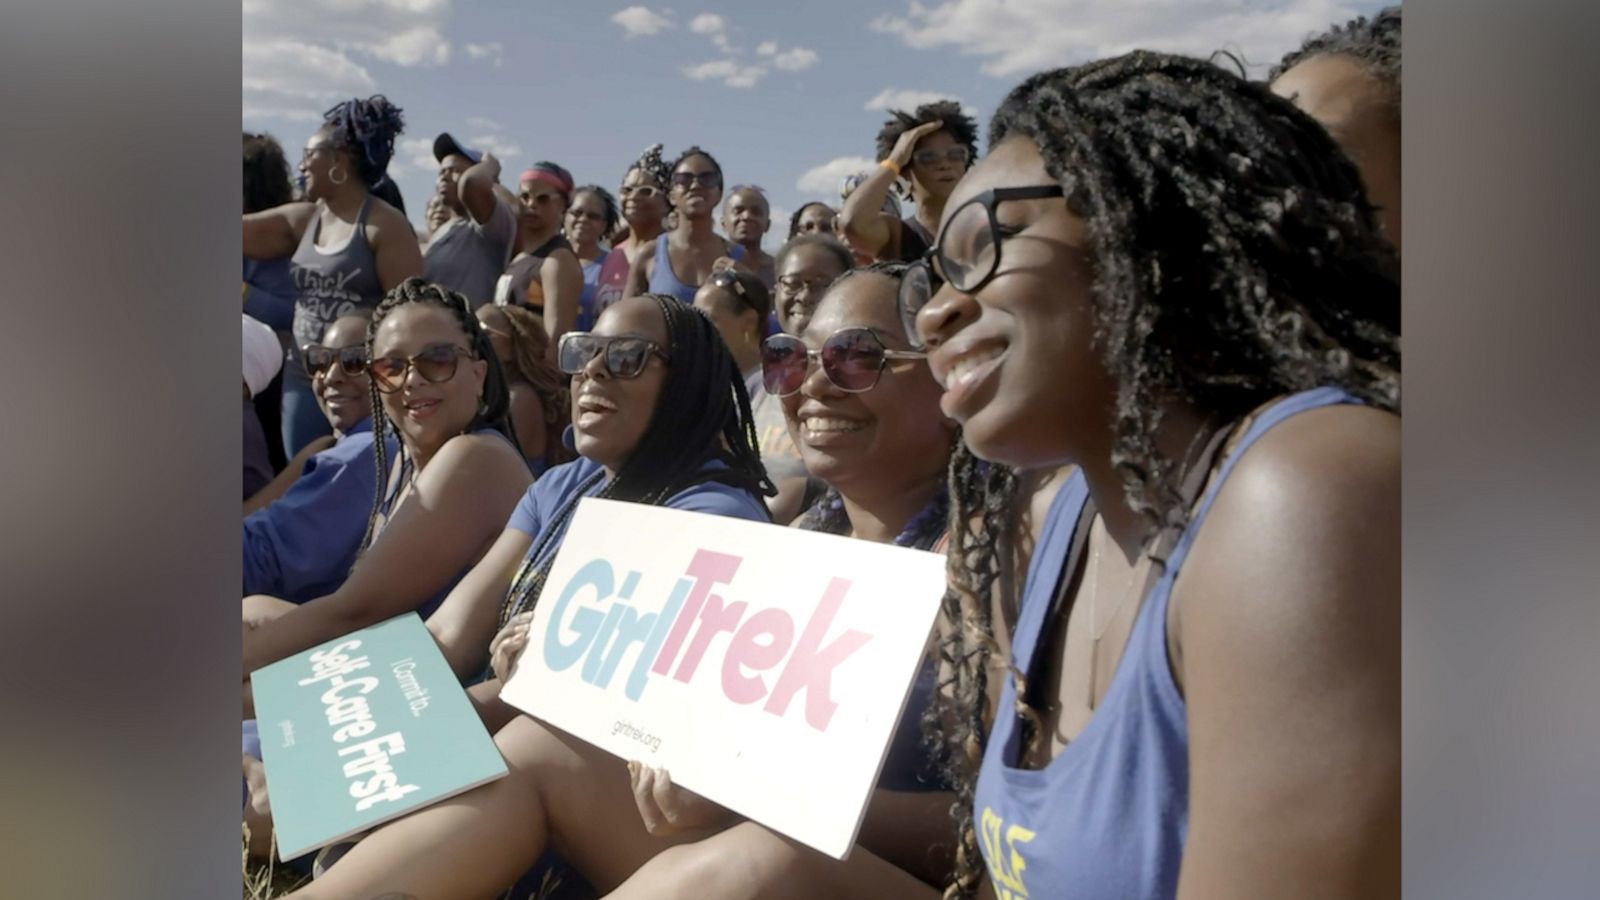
[(930, 150), (346, 246), (883, 442), (301, 542), (682, 259), (643, 196), (446, 496), (1172, 279), (540, 404)]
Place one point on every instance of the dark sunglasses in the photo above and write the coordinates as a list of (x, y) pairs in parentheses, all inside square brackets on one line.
[(319, 359), (853, 359), (957, 154), (436, 365), (688, 179), (625, 357)]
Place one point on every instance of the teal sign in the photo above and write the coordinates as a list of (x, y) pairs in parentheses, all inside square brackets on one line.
[(363, 729)]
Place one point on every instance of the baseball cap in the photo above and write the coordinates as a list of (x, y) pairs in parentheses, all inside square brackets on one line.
[(444, 145)]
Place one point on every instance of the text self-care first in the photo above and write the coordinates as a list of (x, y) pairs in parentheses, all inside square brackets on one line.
[(345, 705), (603, 625)]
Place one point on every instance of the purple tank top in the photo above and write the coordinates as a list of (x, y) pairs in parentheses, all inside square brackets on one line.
[(330, 283), (665, 281), (1107, 818)]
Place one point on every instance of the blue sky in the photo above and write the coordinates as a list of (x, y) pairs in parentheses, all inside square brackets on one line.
[(787, 96)]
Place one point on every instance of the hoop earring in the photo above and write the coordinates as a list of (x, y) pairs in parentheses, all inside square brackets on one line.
[(343, 177)]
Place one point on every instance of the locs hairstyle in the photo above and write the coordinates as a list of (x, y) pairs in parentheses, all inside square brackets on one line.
[(1236, 259), (494, 411)]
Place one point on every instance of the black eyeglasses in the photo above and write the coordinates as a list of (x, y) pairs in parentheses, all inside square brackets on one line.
[(624, 357), (853, 359), (967, 253), (689, 179), (956, 154), (319, 359), (436, 365)]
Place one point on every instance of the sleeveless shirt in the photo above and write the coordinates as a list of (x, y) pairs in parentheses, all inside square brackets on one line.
[(1108, 817), (663, 280), (329, 282)]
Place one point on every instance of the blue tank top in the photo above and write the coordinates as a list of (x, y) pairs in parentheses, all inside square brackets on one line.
[(665, 281), (1107, 818), (591, 284)]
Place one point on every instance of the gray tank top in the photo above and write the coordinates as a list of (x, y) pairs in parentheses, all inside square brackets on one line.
[(329, 283)]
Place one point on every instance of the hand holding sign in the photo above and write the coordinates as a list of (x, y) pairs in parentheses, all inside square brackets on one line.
[(508, 645), (668, 809)]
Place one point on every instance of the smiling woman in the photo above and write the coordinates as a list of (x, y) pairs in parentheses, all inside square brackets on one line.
[(683, 258)]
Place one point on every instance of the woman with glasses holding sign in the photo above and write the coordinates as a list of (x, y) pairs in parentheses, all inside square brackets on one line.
[(930, 150), (682, 259), (439, 387), (1173, 280)]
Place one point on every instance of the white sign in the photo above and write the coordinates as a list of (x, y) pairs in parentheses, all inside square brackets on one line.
[(763, 667)]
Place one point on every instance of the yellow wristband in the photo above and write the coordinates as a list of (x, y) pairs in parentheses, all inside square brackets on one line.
[(891, 166)]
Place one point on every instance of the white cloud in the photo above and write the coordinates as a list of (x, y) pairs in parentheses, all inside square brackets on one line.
[(492, 51), (641, 20), (908, 100), (415, 152), (767, 48), (728, 71), (1013, 37), (707, 23), (413, 47), (298, 81), (484, 123), (824, 179), (796, 59), (494, 143)]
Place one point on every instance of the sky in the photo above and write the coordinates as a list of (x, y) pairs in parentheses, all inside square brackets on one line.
[(785, 96)]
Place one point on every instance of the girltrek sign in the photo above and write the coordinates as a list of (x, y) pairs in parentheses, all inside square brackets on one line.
[(763, 667)]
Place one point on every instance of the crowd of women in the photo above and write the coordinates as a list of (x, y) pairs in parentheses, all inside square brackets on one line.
[(1147, 347)]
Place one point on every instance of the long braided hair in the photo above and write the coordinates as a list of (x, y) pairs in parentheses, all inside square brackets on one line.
[(702, 414), (1236, 259), (493, 412), (530, 363)]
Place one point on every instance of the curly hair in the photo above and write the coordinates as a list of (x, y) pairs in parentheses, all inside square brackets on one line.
[(530, 364), (1375, 42), (266, 173), (961, 126), (367, 129), (493, 412), (702, 414), (1236, 259)]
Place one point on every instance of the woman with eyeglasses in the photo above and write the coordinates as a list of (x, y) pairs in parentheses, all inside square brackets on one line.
[(806, 265), (643, 196), (815, 217), (539, 398), (446, 495), (544, 274), (929, 149), (591, 218), (682, 259), (875, 429), (1172, 279), (347, 247)]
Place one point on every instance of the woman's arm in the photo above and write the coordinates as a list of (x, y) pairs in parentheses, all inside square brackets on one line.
[(465, 622), (477, 189), (457, 506), (639, 272), (280, 485), (527, 416), (275, 233), (394, 245), (561, 276), (1287, 627)]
